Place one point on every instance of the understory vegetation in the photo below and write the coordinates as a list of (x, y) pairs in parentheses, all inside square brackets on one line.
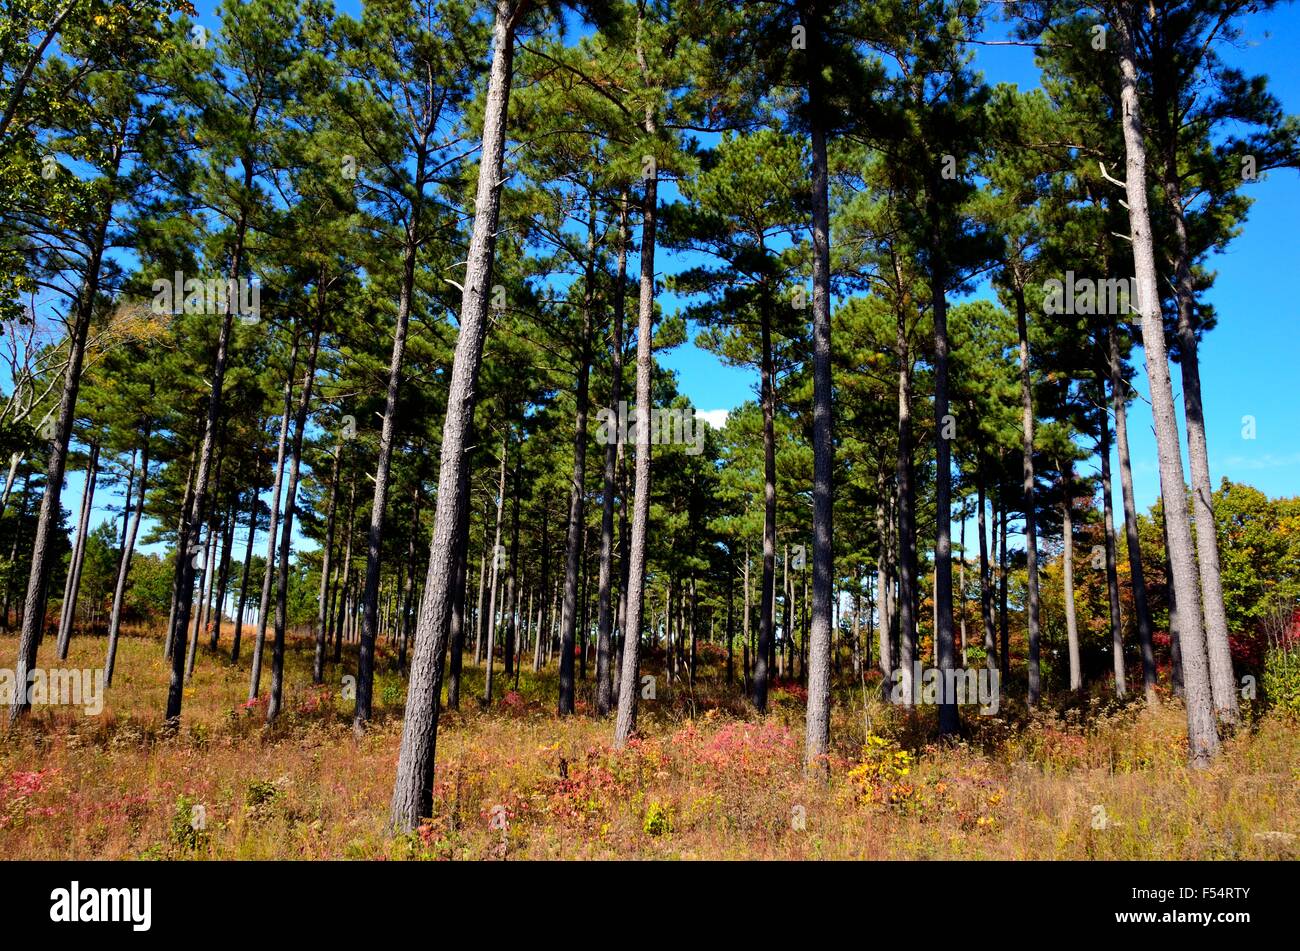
[(707, 779)]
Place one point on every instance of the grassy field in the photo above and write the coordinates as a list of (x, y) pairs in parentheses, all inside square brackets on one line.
[(707, 778)]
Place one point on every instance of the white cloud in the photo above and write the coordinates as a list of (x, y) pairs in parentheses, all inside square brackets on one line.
[(1254, 463), (717, 418)]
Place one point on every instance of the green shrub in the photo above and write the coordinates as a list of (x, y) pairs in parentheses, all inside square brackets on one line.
[(1281, 681), (188, 830), (658, 820), (260, 792), (392, 690)]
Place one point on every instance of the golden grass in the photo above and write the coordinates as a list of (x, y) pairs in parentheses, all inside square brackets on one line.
[(707, 779)]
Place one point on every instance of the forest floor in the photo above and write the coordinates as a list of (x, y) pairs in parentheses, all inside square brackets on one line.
[(706, 779)]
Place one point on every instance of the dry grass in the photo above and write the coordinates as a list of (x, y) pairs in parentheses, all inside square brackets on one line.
[(707, 780)]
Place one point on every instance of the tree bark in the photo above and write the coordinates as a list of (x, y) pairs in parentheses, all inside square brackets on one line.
[(818, 726), (949, 721), (126, 501), (605, 614), (1223, 682), (34, 602), (68, 612), (327, 552), (413, 790), (243, 582), (124, 562), (1175, 650), (456, 632), (1141, 608), (543, 631), (986, 579), (512, 577), (907, 559), (747, 635), (1003, 632), (1108, 530), (490, 632), (290, 507), (176, 685), (344, 593), (263, 612), (884, 536), (585, 603), (374, 536), (204, 592), (961, 586), (1067, 560), (1031, 514), (1203, 742), (577, 487), (731, 656), (767, 578), (178, 558), (630, 683), (223, 577)]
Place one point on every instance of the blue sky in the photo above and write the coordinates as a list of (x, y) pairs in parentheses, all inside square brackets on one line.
[(1245, 363)]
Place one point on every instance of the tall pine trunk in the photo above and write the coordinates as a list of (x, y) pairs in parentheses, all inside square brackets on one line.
[(193, 518), (277, 488), (34, 602), (577, 488), (604, 612), (1108, 534), (630, 683), (1223, 685), (375, 533), (577, 495), (1141, 608), (948, 716), (1067, 561), (986, 580), (961, 586), (818, 726), (170, 637), (1031, 513), (490, 631), (1004, 634), (884, 537), (1175, 649), (1203, 741), (513, 585), (456, 633), (768, 576), (413, 789), (243, 581), (906, 532), (290, 505), (68, 612), (327, 553), (124, 562), (543, 631), (223, 577), (340, 616), (745, 648)]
